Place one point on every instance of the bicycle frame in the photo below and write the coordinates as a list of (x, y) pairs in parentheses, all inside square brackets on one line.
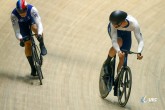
[(126, 56), (37, 58), (124, 81), (105, 85), (32, 40), (113, 61)]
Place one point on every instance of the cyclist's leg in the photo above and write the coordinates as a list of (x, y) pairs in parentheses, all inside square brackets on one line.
[(106, 66), (120, 43), (126, 44), (26, 31), (28, 53), (121, 59), (40, 39), (111, 54)]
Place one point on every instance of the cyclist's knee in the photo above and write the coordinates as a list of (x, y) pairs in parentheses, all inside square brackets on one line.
[(34, 28), (112, 52), (28, 48), (120, 42), (121, 60)]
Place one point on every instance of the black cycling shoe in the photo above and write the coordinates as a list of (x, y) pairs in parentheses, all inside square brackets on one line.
[(115, 92), (43, 50), (33, 72), (115, 89)]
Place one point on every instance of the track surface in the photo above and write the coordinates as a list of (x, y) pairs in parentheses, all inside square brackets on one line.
[(77, 41)]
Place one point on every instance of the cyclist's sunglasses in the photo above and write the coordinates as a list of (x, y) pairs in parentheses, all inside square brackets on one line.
[(117, 25), (21, 11)]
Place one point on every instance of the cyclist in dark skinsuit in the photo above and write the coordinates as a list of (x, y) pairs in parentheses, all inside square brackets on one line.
[(25, 18)]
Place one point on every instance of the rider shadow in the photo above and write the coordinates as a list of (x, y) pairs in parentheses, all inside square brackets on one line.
[(17, 78), (28, 79), (5, 75)]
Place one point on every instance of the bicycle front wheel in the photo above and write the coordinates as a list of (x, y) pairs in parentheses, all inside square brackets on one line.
[(37, 62), (124, 85), (102, 86)]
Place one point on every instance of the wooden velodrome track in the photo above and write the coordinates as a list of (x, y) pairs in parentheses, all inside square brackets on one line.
[(77, 41)]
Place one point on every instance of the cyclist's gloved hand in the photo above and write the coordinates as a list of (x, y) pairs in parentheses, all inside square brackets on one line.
[(22, 43), (121, 54), (139, 56)]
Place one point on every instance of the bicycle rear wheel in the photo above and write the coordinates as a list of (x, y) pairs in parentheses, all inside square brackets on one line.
[(124, 85), (102, 86), (37, 62)]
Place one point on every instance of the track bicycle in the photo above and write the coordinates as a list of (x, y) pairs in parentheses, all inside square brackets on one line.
[(37, 58), (123, 80)]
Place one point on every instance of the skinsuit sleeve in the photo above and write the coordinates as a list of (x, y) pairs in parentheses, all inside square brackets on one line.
[(37, 19), (16, 27)]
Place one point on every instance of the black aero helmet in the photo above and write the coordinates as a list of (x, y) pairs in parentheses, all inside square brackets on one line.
[(117, 17)]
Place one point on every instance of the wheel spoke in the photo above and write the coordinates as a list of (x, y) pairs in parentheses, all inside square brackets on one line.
[(125, 93), (122, 92)]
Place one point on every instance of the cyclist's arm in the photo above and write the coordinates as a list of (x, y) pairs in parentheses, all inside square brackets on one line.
[(113, 35), (37, 19), (139, 38), (16, 27)]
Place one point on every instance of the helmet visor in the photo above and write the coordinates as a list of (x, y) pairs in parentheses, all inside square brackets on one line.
[(20, 11), (116, 22), (117, 25)]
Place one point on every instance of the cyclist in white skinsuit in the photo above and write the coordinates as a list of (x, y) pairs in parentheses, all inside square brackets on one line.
[(132, 26), (119, 30)]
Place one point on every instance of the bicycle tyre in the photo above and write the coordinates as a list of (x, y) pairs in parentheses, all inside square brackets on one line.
[(41, 61), (37, 62), (102, 86), (127, 83)]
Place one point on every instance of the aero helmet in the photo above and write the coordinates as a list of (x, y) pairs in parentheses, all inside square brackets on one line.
[(21, 6), (117, 17)]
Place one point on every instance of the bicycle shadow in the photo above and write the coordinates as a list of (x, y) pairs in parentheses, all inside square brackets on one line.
[(115, 104), (27, 79)]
